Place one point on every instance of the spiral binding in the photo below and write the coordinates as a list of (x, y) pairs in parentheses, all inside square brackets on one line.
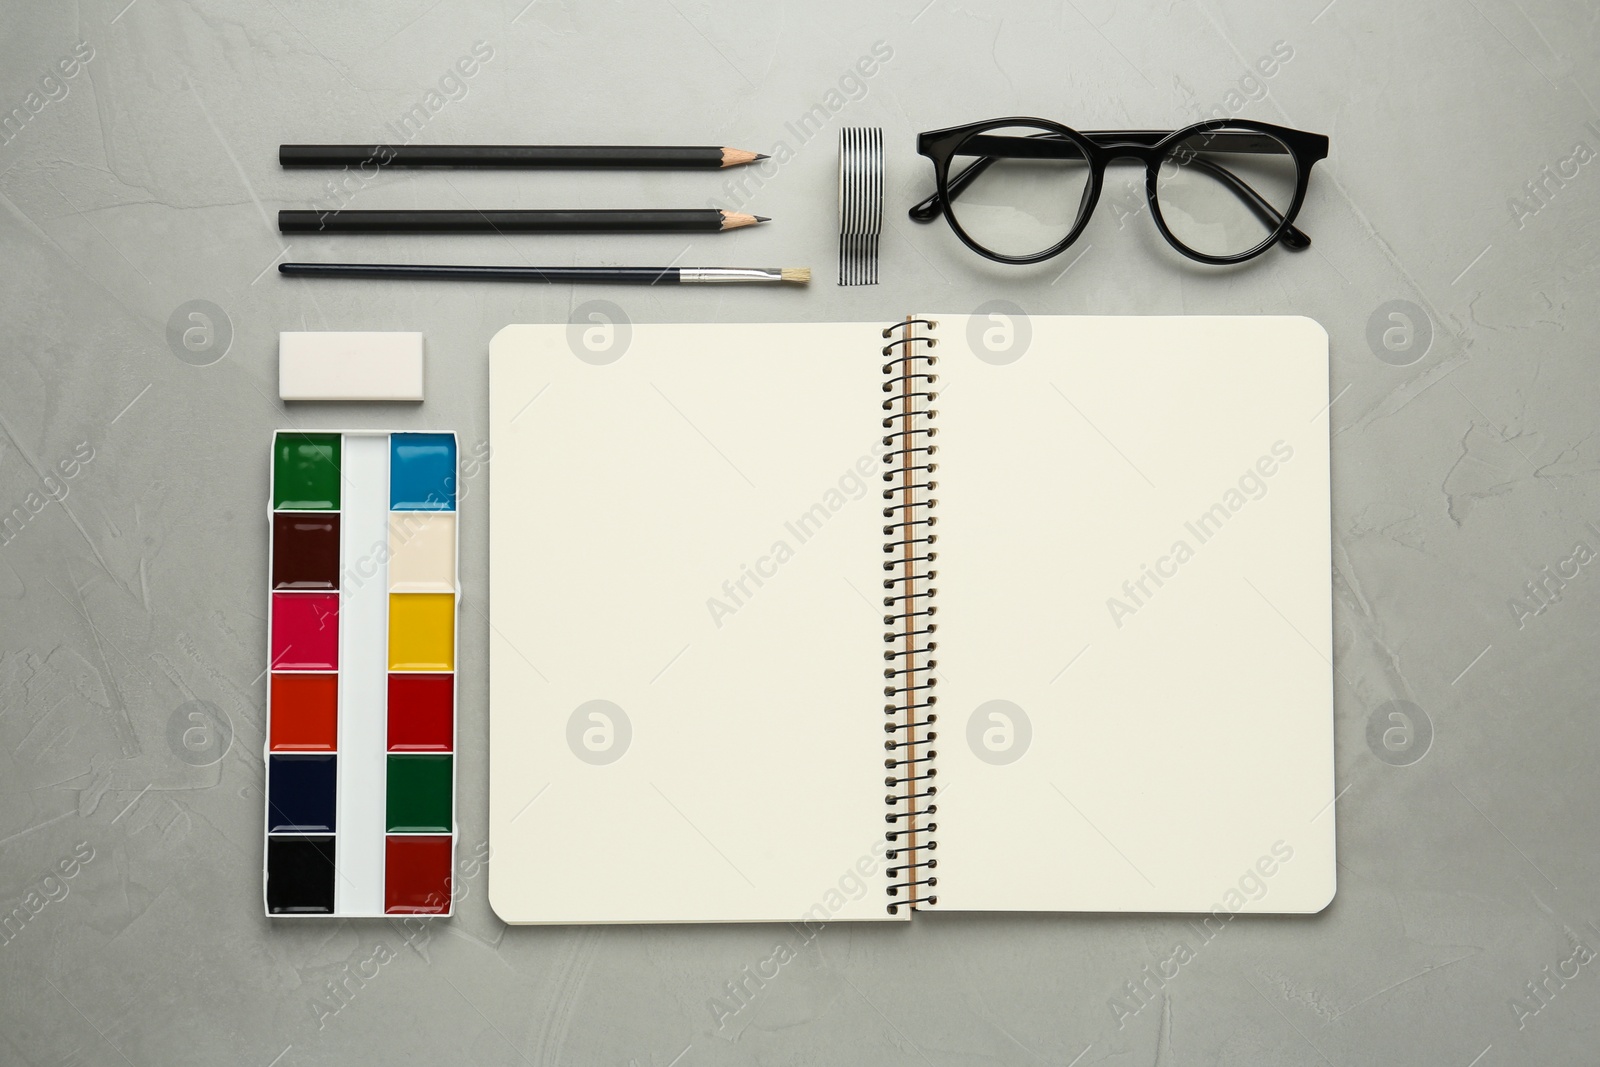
[(908, 601)]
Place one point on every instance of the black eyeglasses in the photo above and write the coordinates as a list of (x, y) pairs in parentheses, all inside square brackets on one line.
[(1220, 191)]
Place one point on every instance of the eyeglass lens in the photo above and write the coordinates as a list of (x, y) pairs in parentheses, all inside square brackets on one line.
[(1225, 192), (1025, 192)]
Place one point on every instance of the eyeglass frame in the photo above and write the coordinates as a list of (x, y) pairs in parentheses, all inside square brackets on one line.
[(1101, 147)]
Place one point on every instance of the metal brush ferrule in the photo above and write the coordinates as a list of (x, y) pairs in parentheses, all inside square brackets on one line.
[(720, 275)]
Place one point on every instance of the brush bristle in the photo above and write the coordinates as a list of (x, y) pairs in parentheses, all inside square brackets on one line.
[(797, 274)]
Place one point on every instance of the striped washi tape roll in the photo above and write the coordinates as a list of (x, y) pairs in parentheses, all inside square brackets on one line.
[(860, 203)]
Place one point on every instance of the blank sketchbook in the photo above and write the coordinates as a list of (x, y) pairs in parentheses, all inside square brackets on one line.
[(821, 622)]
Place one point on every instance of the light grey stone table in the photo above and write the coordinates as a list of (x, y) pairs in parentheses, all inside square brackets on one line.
[(1457, 236)]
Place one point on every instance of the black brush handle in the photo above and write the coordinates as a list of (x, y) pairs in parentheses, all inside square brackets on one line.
[(620, 275), (688, 220), (633, 157)]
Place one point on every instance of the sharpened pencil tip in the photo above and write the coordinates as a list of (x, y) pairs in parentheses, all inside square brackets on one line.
[(760, 156), (762, 218)]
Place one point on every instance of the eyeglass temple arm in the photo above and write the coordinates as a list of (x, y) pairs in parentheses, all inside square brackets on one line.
[(931, 208), (1293, 238)]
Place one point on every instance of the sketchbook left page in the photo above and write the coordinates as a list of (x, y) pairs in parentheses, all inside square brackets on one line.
[(685, 625)]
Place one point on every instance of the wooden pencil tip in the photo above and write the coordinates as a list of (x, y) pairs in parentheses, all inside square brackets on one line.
[(796, 274), (732, 220), (760, 156), (762, 218), (734, 157)]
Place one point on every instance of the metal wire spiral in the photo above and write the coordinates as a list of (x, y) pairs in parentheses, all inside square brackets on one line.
[(908, 600)]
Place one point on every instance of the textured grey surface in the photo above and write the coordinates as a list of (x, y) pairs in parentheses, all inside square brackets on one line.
[(134, 597)]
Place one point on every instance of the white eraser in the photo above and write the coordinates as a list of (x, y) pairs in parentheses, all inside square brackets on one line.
[(349, 366)]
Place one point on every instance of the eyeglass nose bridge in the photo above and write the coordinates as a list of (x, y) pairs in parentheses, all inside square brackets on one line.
[(1115, 152)]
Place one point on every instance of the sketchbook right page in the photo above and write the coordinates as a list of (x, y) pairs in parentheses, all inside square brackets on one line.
[(1134, 614)]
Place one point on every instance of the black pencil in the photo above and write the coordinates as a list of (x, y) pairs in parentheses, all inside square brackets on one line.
[(629, 157), (611, 275), (690, 220)]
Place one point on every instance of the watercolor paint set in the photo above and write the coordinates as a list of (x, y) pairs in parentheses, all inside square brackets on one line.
[(361, 701)]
